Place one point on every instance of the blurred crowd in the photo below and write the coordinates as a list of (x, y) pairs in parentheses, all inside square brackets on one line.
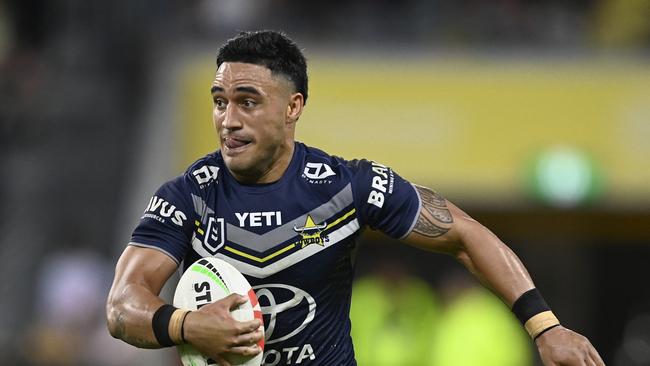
[(75, 77)]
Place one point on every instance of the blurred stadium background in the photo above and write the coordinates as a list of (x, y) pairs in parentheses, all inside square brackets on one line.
[(534, 116)]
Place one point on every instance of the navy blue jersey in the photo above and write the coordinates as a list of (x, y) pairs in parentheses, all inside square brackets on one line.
[(293, 239)]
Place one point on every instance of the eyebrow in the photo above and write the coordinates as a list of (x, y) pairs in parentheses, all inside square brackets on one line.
[(243, 89)]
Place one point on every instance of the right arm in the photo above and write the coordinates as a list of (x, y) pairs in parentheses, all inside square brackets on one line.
[(139, 276), (133, 299)]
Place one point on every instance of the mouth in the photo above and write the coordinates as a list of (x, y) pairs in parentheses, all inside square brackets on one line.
[(233, 144)]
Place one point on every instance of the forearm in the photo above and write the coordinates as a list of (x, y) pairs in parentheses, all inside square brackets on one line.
[(133, 300), (129, 315), (493, 263)]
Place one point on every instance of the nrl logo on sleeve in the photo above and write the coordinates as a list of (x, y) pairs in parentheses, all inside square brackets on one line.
[(206, 174), (317, 173)]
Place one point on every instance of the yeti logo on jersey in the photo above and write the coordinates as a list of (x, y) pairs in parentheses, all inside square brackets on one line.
[(214, 235), (206, 174), (259, 219), (159, 209), (311, 233), (316, 173)]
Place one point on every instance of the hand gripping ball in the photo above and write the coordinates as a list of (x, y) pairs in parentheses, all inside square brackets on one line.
[(206, 281)]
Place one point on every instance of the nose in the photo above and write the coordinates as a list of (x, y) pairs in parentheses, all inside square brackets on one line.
[(231, 119)]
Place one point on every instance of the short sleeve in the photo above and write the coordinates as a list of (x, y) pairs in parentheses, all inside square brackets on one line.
[(384, 200), (167, 221)]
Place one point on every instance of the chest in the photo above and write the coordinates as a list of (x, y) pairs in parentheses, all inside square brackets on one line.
[(262, 234)]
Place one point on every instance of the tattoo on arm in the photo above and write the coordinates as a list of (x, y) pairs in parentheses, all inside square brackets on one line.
[(120, 332), (430, 197), (427, 228), (435, 219), (120, 327), (141, 342)]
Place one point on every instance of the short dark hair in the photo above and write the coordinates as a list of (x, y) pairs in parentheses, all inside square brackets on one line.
[(271, 49)]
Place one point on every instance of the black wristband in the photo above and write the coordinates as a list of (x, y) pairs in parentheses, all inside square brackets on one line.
[(160, 325), (528, 305)]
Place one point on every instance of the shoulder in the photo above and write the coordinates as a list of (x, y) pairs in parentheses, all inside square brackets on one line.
[(366, 177), (203, 172), (354, 165), (200, 175), (319, 164)]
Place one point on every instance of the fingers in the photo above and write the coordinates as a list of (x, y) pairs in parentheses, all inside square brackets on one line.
[(589, 362), (595, 358), (233, 300), (591, 356), (244, 346), (579, 358), (246, 350), (249, 338), (249, 326)]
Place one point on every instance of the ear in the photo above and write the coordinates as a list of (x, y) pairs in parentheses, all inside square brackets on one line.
[(294, 108)]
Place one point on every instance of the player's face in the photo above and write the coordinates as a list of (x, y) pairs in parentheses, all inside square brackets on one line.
[(254, 116)]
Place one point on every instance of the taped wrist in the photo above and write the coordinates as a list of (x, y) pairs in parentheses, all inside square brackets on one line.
[(168, 325), (534, 313)]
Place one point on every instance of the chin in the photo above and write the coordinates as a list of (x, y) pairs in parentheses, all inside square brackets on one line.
[(239, 165)]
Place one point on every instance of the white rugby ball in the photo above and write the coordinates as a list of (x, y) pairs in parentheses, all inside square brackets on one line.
[(206, 281)]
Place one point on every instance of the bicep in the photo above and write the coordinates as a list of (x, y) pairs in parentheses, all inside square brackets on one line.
[(440, 224), (146, 267)]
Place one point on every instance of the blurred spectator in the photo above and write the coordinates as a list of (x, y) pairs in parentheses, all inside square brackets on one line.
[(69, 327), (398, 320), (476, 328), (392, 316)]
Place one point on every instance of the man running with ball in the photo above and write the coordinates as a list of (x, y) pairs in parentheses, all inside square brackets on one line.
[(288, 216)]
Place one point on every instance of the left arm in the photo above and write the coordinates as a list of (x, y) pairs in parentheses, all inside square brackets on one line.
[(443, 227)]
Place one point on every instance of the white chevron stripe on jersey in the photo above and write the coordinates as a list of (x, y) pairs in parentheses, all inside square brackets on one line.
[(262, 242), (306, 252)]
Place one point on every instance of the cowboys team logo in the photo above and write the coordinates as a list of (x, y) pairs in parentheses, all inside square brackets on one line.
[(214, 234), (317, 173), (311, 233)]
